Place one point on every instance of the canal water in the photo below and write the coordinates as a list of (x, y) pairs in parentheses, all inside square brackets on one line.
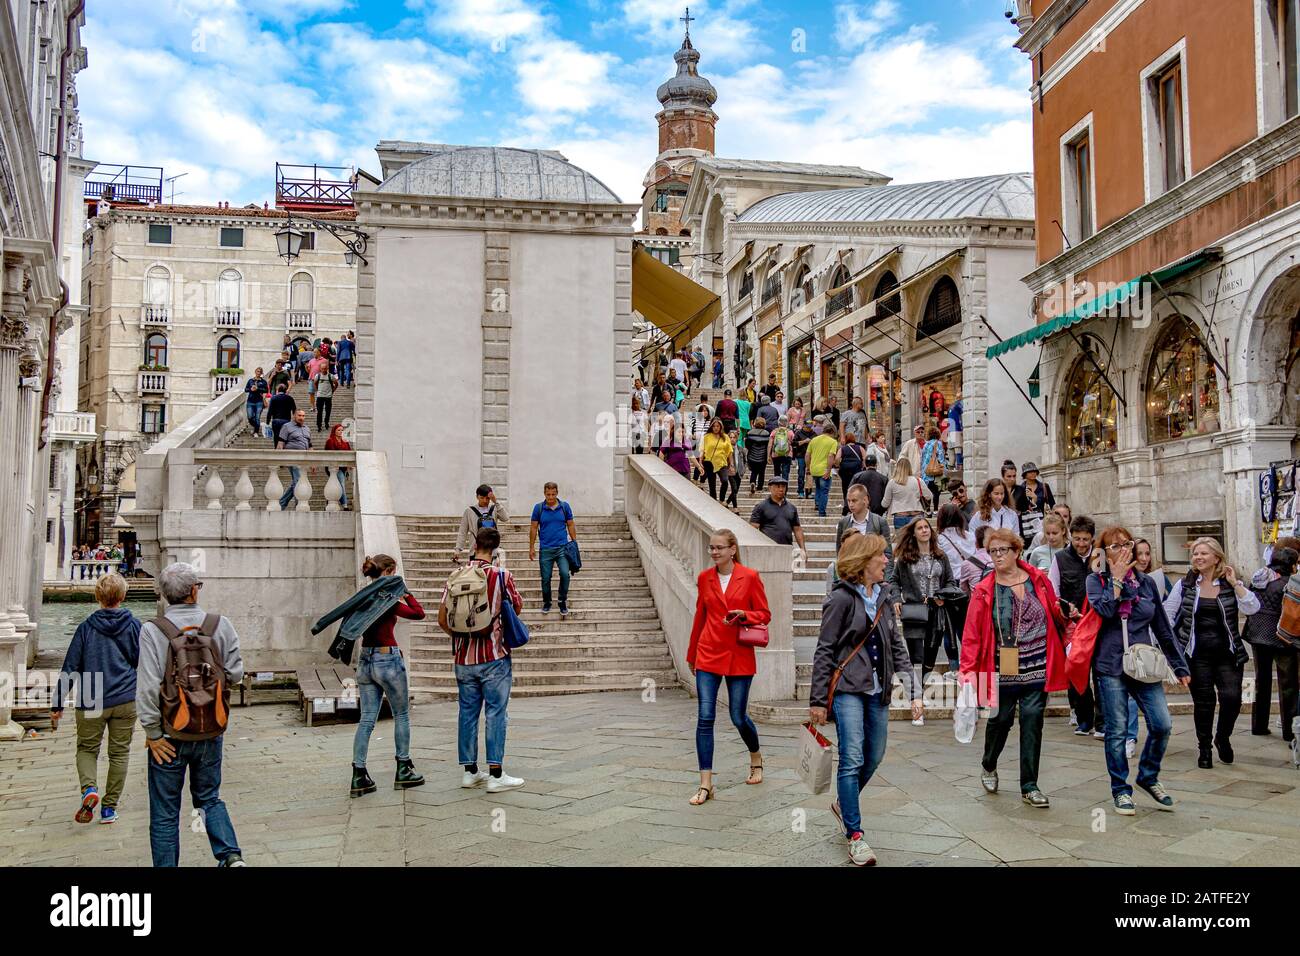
[(59, 621)]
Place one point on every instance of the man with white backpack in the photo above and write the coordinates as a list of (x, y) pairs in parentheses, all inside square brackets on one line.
[(470, 614)]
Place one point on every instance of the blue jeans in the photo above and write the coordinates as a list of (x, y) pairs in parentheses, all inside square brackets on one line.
[(706, 689), (287, 497), (483, 687), (166, 782), (343, 485), (1116, 694), (345, 371), (549, 558), (862, 727), (1132, 719), (380, 675), (803, 470), (822, 492), (254, 412), (276, 425)]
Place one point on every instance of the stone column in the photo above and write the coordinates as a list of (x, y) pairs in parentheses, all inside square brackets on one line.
[(495, 454), (31, 498), (13, 659)]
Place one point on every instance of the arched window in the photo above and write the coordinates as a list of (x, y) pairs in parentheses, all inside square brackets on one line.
[(889, 303), (301, 292), (158, 286), (229, 290), (1182, 392), (228, 352), (1091, 409), (684, 232), (842, 300), (942, 309), (155, 349), (661, 231), (801, 292)]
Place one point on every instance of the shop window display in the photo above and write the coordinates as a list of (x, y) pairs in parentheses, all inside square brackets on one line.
[(1091, 410), (1182, 395)]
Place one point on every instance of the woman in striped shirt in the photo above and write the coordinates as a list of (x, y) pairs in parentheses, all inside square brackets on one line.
[(484, 674)]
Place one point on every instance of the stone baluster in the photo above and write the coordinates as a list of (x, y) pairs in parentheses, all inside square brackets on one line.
[(333, 491), (302, 490), (243, 490), (214, 489), (273, 489)]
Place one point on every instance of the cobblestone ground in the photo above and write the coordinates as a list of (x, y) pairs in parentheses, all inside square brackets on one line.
[(608, 780)]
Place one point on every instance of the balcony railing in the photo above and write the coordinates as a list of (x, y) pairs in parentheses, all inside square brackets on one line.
[(157, 316), (73, 426), (296, 321), (839, 302), (223, 383), (153, 383), (227, 318)]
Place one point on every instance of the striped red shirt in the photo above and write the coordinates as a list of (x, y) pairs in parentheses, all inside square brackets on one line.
[(486, 647)]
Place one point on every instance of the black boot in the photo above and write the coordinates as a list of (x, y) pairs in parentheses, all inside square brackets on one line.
[(1205, 762), (406, 776), (361, 782), (1225, 750)]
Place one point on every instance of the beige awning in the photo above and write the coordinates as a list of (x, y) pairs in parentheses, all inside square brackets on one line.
[(926, 270), (827, 264), (680, 307), (125, 505), (739, 257), (795, 254)]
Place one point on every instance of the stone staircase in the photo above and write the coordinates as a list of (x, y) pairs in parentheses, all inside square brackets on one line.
[(342, 410), (611, 640)]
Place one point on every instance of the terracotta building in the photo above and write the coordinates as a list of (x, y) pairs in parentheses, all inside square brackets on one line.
[(1167, 171)]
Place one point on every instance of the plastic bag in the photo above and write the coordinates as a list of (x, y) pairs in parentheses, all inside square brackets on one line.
[(966, 714)]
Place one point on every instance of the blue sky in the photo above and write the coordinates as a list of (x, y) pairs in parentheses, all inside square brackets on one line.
[(222, 89)]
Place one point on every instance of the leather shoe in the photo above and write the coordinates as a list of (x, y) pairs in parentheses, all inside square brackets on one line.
[(1204, 761), (1225, 751)]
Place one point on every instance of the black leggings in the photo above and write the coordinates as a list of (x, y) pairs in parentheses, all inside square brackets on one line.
[(713, 477), (323, 408), (757, 472), (1219, 674), (1287, 662), (734, 481)]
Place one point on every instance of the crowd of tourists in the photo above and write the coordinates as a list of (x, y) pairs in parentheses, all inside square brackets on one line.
[(122, 558)]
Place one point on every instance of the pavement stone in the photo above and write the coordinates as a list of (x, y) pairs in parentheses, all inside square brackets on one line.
[(609, 777)]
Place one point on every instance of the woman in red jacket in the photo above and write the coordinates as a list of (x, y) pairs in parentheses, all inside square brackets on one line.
[(731, 596), (1013, 648)]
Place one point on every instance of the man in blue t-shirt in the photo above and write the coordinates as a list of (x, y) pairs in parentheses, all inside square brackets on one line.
[(552, 529), (347, 353)]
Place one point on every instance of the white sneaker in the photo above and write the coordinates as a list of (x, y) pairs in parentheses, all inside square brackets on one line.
[(1130, 748), (504, 782), (1074, 720), (468, 780), (919, 722)]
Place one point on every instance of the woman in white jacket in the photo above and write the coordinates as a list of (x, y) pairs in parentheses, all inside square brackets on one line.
[(991, 510), (905, 497)]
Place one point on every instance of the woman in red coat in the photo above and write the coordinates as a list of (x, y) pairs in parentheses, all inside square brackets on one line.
[(731, 596), (1014, 649)]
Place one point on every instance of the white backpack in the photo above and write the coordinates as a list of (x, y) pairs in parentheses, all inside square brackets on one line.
[(468, 609)]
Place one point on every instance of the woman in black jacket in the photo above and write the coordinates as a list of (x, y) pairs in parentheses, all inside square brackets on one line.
[(858, 652), (1261, 633), (920, 570)]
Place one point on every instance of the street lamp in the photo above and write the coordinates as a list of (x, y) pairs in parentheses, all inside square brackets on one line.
[(288, 239)]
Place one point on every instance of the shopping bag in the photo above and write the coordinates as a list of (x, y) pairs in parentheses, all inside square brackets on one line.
[(816, 760), (966, 714)]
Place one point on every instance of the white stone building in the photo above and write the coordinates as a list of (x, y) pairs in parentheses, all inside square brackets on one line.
[(40, 55), (840, 283), (184, 302)]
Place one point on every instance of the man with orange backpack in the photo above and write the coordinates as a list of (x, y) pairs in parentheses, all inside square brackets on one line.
[(188, 661)]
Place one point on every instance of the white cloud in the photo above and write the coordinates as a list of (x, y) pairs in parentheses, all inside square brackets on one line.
[(559, 76), (855, 26), (722, 34), (488, 21)]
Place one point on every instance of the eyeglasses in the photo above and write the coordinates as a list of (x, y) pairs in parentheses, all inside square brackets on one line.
[(1121, 546), (998, 552)]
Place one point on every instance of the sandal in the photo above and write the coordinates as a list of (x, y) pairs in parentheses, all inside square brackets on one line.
[(755, 767), (708, 795)]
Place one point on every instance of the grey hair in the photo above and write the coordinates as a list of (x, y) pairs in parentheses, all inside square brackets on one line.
[(176, 581)]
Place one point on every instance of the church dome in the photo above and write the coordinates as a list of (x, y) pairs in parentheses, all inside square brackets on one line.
[(687, 89)]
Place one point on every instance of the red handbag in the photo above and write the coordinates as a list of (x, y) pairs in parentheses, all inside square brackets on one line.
[(753, 635)]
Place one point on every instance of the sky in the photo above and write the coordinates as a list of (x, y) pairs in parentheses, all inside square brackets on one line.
[(221, 90)]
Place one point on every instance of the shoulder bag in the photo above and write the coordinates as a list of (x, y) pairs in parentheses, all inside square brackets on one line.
[(1143, 662), (839, 669)]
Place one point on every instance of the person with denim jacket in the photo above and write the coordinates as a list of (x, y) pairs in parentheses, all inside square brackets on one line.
[(859, 700), (1124, 597), (381, 672)]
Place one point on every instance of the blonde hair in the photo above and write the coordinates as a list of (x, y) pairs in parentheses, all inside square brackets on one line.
[(902, 471), (730, 537), (1056, 521), (855, 554), (1221, 559), (110, 590)]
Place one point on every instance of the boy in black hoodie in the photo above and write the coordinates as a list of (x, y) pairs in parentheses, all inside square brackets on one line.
[(101, 661)]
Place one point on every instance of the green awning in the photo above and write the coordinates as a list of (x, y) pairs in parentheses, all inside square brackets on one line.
[(1103, 303)]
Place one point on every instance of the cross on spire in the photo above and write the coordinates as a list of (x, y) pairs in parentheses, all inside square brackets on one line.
[(687, 20)]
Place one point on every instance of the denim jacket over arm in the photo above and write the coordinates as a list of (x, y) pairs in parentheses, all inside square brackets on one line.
[(364, 608)]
